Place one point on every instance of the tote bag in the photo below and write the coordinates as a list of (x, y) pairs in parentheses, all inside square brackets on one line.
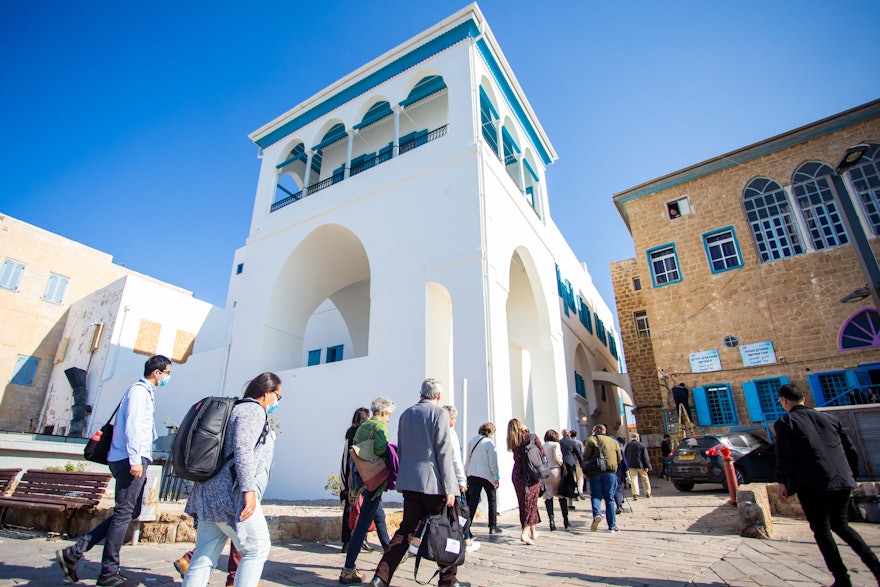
[(370, 467), (98, 446)]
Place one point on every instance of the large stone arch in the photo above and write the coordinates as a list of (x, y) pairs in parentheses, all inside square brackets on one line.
[(533, 385), (328, 264)]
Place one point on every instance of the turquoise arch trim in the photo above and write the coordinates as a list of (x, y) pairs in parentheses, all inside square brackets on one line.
[(514, 102), (451, 37)]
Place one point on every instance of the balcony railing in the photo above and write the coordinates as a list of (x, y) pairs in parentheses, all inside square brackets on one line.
[(360, 167)]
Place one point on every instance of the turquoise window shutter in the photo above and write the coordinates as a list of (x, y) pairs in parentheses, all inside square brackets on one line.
[(750, 391), (704, 418), (816, 388)]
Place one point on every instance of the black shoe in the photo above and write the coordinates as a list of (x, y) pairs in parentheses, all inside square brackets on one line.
[(68, 563), (552, 526), (377, 582), (117, 580), (366, 547), (494, 530)]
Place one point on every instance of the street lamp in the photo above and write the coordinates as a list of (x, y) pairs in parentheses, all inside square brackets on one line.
[(854, 228)]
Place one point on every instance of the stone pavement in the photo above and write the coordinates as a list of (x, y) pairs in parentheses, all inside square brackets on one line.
[(673, 539)]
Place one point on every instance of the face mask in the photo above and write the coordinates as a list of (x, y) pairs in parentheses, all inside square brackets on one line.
[(164, 382), (273, 407)]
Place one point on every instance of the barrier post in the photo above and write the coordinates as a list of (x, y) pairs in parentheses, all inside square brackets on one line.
[(729, 474)]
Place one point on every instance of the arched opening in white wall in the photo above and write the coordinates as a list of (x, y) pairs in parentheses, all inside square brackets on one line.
[(374, 138), (531, 354), (581, 375), (320, 298), (292, 171), (438, 336), (425, 113)]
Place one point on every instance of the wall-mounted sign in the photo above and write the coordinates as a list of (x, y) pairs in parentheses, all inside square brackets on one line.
[(705, 361), (759, 353)]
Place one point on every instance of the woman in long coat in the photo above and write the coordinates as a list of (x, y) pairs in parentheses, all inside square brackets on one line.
[(527, 491)]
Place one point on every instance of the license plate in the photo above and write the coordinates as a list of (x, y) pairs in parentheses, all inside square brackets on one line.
[(686, 457)]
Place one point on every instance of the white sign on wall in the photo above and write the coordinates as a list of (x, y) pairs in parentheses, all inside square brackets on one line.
[(759, 353), (705, 361)]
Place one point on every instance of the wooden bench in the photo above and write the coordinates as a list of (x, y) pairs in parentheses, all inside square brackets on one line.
[(7, 476), (56, 491)]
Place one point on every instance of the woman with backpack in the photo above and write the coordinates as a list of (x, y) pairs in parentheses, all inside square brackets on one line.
[(527, 490), (227, 506)]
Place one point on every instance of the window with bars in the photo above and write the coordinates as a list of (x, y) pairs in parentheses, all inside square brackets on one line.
[(866, 179), (642, 328), (334, 353), (762, 398), (811, 185), (714, 405), (664, 265), (579, 386), (834, 386), (488, 115), (722, 250), (770, 219)]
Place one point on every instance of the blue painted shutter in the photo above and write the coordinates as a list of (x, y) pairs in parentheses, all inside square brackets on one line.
[(314, 357), (852, 379), (704, 418), (750, 391), (816, 388)]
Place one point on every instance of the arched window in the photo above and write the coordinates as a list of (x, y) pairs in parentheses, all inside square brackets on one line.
[(769, 214), (488, 118), (866, 177), (861, 331), (812, 191)]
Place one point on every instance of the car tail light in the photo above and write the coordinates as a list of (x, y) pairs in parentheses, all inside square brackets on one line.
[(715, 451)]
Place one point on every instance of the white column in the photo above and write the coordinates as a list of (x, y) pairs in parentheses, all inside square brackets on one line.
[(498, 127), (308, 175), (522, 176), (395, 148), (348, 147)]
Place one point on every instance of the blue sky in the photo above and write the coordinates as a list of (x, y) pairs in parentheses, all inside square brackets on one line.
[(125, 125)]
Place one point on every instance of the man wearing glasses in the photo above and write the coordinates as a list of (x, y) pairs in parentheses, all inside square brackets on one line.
[(130, 454)]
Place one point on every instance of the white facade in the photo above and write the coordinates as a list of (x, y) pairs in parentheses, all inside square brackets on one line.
[(430, 249)]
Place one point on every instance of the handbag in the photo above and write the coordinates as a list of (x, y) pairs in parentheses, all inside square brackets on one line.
[(98, 446), (355, 512), (592, 466), (370, 467), (443, 540)]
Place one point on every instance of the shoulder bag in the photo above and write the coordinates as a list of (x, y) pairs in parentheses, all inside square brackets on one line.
[(370, 467), (592, 466), (98, 446)]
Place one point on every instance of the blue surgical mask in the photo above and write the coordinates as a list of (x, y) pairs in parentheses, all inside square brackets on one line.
[(164, 382), (273, 407)]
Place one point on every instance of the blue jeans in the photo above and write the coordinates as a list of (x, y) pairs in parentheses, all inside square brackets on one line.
[(371, 509), (128, 496), (602, 486), (210, 540)]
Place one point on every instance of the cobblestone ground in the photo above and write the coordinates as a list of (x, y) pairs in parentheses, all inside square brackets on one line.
[(673, 539)]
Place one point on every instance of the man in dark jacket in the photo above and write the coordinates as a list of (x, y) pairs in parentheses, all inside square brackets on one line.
[(816, 460), (571, 458), (639, 462)]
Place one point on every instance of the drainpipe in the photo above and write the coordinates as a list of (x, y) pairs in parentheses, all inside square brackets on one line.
[(110, 375)]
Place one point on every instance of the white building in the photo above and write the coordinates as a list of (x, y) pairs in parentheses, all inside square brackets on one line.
[(402, 230)]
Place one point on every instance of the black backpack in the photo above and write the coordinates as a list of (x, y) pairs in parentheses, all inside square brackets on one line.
[(197, 453), (535, 464)]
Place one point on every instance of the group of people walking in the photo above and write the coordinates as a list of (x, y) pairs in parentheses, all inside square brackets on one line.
[(815, 459)]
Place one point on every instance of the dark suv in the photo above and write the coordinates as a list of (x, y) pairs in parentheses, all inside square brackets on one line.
[(698, 460)]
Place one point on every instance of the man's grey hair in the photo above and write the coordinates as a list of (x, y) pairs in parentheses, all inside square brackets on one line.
[(431, 389), (382, 404), (453, 413)]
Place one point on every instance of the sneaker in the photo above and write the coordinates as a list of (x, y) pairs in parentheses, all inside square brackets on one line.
[(182, 565), (595, 525), (117, 580), (68, 563), (636, 497), (351, 577), (474, 546), (614, 530)]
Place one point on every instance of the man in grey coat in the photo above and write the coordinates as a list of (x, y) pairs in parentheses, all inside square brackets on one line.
[(426, 477)]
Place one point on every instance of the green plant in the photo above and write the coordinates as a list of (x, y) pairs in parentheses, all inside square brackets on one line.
[(333, 485), (275, 425), (169, 423), (78, 467)]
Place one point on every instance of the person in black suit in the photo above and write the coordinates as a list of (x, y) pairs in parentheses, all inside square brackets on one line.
[(816, 460)]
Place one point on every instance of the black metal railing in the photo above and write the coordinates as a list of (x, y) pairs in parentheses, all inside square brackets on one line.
[(360, 167)]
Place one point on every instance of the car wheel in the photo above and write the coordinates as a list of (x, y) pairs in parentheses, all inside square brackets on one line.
[(683, 485), (740, 479)]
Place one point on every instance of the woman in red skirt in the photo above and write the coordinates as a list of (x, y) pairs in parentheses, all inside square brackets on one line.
[(527, 491)]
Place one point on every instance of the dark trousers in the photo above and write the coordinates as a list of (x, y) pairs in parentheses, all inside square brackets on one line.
[(416, 507), (826, 512), (129, 495), (475, 486)]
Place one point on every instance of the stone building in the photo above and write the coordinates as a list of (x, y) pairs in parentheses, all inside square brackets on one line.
[(741, 264)]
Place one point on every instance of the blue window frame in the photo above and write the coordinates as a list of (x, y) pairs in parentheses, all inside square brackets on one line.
[(762, 399), (866, 179), (663, 261), (579, 386), (334, 353), (25, 370), (314, 357), (770, 218), (714, 405), (10, 274), (722, 250), (812, 190), (832, 387), (488, 115), (239, 269)]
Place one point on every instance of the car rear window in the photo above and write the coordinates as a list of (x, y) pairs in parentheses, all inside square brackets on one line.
[(699, 442)]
